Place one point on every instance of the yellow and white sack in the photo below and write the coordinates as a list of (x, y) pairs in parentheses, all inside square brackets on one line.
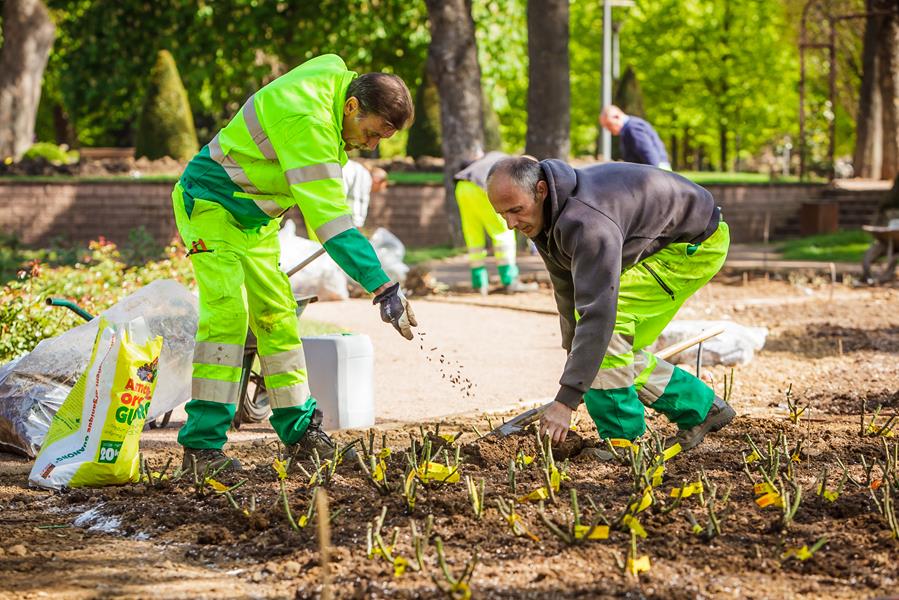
[(94, 437)]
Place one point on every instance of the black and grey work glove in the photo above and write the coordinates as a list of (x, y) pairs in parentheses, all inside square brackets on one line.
[(395, 309)]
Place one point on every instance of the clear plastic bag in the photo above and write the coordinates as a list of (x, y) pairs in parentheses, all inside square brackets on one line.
[(322, 277), (736, 345), (34, 386), (391, 252)]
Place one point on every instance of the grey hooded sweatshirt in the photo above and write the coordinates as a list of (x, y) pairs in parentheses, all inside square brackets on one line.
[(599, 221)]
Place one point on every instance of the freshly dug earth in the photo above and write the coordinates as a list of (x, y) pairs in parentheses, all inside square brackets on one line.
[(169, 541)]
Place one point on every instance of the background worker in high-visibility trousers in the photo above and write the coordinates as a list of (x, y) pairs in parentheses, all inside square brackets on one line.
[(361, 182), (638, 141), (285, 147), (480, 220), (624, 245)]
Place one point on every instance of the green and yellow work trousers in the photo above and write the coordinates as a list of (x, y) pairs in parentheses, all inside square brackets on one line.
[(240, 284), (478, 217), (630, 378)]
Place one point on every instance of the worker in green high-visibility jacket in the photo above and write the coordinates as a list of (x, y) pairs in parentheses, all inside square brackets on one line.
[(286, 146)]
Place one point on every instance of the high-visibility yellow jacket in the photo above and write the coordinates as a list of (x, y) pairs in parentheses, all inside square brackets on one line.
[(284, 147)]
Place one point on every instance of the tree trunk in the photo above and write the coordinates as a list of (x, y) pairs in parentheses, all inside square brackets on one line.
[(675, 156), (889, 94), (453, 65), (549, 94), (28, 35), (722, 140), (867, 157)]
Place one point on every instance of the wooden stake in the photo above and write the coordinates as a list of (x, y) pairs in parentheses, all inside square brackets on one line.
[(324, 541)]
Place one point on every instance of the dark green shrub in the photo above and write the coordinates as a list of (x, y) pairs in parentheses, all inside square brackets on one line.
[(166, 125), (424, 135)]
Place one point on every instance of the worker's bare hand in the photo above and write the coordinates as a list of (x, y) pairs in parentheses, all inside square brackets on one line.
[(556, 421)]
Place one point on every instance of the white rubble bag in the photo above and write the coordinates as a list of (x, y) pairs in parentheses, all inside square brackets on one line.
[(390, 251), (736, 345), (34, 386), (322, 277)]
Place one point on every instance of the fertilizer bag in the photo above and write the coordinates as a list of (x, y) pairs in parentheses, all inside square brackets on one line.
[(93, 439)]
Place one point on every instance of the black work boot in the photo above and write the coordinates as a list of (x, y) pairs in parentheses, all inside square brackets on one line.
[(720, 414), (315, 438), (212, 457)]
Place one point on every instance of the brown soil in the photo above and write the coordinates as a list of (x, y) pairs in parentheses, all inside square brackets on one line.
[(173, 542)]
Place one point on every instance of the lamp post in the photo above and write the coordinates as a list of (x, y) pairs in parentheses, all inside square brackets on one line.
[(607, 36)]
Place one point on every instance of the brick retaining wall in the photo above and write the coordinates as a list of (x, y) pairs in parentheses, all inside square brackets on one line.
[(38, 213)]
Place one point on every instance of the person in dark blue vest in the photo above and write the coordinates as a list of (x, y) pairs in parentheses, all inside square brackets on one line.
[(639, 141)]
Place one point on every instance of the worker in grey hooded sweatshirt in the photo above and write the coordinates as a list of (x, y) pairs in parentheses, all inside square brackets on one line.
[(625, 245)]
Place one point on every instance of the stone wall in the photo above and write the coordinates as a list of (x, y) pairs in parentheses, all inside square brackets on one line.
[(76, 212)]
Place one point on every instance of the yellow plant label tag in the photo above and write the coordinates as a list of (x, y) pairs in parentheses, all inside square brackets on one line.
[(555, 479), (763, 488), (216, 485), (280, 467), (689, 490), (540, 493), (461, 590), (525, 459), (638, 565), (634, 525), (155, 475), (669, 453), (769, 499), (645, 502), (830, 495), (802, 553), (657, 476), (433, 471), (303, 521), (874, 429), (399, 566), (600, 532), (622, 443), (380, 471)]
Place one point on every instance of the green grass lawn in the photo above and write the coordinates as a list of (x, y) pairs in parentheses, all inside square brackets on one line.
[(415, 256), (311, 327), (843, 246), (415, 178), (727, 178)]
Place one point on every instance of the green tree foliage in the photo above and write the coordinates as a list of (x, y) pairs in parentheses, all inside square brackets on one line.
[(225, 51), (165, 126), (501, 32), (709, 70), (712, 71)]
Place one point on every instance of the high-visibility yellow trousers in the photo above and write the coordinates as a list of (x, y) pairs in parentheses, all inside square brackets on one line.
[(240, 284), (478, 217), (630, 378)]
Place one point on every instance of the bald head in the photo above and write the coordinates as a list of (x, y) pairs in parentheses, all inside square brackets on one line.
[(612, 118), (517, 189)]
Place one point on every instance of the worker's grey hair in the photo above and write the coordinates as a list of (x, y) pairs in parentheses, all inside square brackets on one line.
[(386, 96), (523, 171)]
